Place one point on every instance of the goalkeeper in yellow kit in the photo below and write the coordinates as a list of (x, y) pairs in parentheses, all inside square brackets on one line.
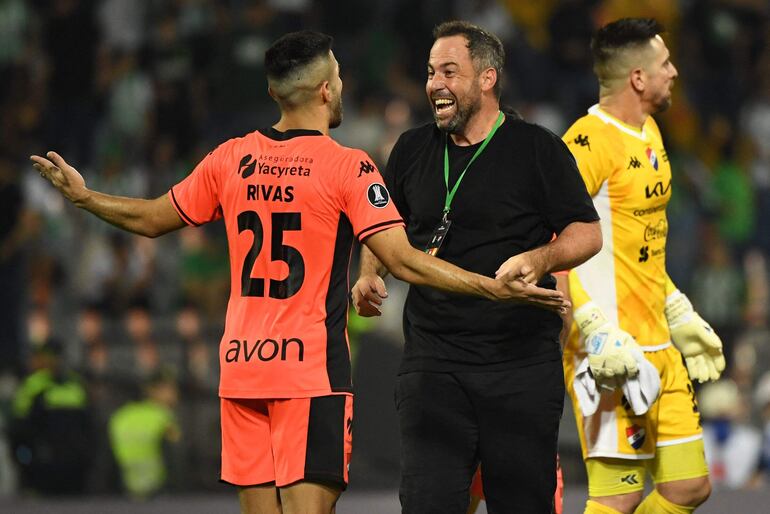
[(627, 311)]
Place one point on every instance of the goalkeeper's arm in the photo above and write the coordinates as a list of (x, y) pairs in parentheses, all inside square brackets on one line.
[(693, 337)]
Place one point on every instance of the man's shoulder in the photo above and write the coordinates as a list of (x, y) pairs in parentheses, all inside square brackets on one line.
[(520, 128), (417, 135), (591, 133), (588, 124), (529, 137), (343, 151), (235, 141), (230, 148)]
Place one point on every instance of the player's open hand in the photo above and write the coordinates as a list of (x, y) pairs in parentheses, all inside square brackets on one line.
[(64, 177), (367, 294), (523, 266), (523, 292), (694, 338)]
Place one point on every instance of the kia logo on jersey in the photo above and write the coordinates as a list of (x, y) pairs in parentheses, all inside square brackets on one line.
[(657, 190), (653, 158), (635, 435), (378, 195)]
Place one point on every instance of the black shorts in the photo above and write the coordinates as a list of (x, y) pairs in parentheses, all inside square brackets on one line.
[(508, 420)]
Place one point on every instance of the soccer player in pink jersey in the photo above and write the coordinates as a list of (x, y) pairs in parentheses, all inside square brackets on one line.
[(293, 202)]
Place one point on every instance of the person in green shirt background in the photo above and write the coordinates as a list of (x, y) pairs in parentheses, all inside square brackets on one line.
[(50, 426), (138, 432)]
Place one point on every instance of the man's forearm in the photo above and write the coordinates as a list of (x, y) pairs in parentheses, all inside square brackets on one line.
[(370, 264), (392, 248), (396, 255), (577, 243), (149, 218), (419, 268)]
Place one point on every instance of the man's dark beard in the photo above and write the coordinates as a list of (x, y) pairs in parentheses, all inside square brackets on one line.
[(336, 117), (662, 106), (464, 113)]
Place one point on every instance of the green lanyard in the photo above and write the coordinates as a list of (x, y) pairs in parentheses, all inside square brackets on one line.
[(451, 194)]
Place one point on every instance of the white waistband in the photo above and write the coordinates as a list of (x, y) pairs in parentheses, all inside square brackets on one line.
[(657, 347)]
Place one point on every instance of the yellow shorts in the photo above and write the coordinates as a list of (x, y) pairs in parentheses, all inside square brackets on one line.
[(614, 431), (610, 477)]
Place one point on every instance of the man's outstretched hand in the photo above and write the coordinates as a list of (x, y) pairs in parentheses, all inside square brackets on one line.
[(64, 177)]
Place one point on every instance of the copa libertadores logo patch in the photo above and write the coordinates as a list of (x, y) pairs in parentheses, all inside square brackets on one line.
[(378, 195)]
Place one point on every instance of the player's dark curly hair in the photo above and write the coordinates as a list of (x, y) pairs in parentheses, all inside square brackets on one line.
[(485, 48), (295, 50)]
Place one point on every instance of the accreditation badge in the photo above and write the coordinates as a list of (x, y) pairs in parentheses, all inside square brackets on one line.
[(439, 234)]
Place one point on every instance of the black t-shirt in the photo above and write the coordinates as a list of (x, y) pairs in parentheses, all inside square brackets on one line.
[(520, 190)]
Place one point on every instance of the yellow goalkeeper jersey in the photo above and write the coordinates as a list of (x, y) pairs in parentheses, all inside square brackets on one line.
[(627, 173)]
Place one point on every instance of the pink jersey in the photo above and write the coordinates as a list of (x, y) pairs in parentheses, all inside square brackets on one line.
[(292, 203)]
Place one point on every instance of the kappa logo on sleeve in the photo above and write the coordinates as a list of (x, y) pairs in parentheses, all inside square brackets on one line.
[(583, 141), (366, 168), (378, 195)]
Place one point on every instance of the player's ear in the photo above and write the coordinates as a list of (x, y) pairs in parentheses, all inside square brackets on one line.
[(326, 92), (637, 78), (488, 79)]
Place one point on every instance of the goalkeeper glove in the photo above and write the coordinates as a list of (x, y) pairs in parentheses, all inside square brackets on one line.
[(694, 338), (608, 347)]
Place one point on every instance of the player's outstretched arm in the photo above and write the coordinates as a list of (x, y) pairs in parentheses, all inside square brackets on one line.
[(392, 248), (577, 243), (149, 218), (369, 291)]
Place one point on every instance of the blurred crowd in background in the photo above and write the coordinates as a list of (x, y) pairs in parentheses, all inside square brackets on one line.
[(108, 342)]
